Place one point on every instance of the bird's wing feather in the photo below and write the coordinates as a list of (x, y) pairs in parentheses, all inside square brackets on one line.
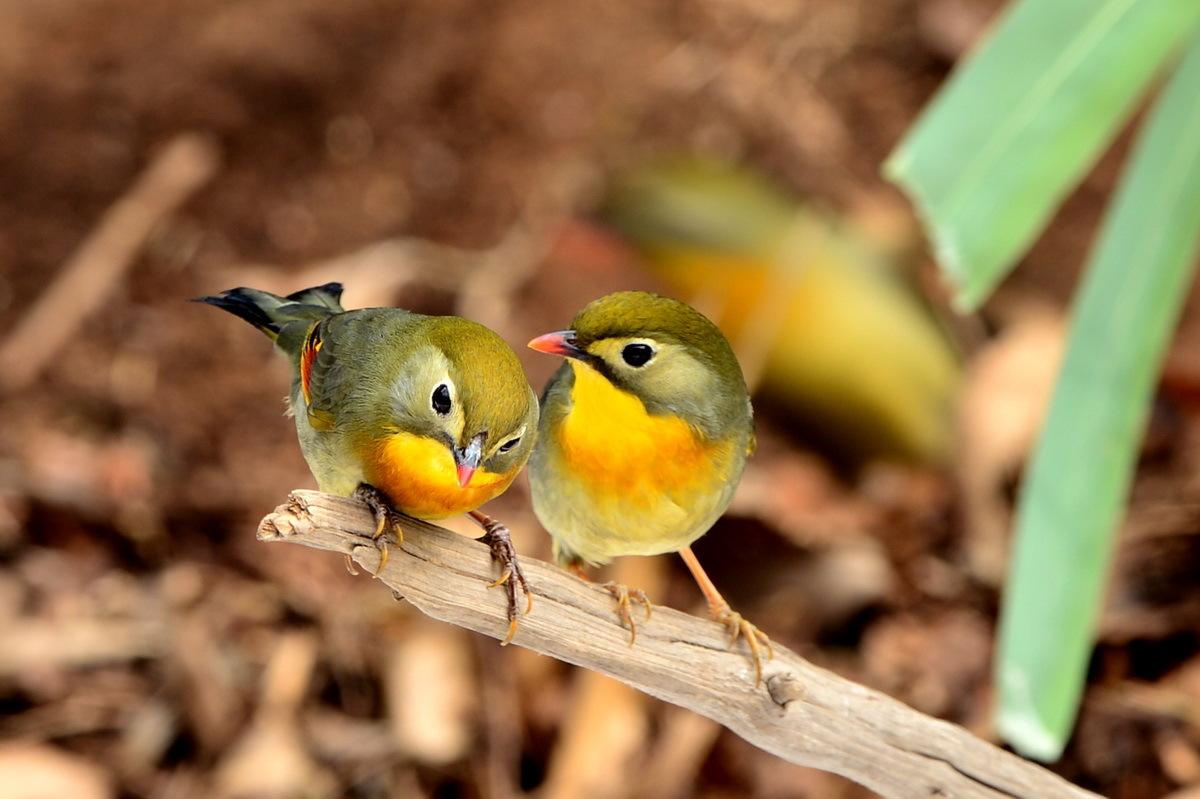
[(350, 354)]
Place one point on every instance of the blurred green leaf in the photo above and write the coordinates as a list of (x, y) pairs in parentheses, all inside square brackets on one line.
[(1079, 478), (1019, 123)]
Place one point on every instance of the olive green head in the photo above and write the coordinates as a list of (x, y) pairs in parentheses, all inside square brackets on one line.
[(466, 387), (666, 353)]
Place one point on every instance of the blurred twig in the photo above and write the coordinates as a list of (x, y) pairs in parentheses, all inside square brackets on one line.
[(372, 274), (683, 744), (75, 643), (488, 294), (604, 735), (270, 758), (500, 709), (804, 714), (183, 166)]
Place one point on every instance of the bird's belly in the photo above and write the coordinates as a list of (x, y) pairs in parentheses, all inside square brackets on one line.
[(598, 528), (601, 528), (330, 457), (605, 496)]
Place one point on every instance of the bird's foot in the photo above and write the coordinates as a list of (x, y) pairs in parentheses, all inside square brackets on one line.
[(385, 517), (497, 537), (625, 599), (756, 640)]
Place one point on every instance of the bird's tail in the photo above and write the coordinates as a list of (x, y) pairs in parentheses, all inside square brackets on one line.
[(287, 317)]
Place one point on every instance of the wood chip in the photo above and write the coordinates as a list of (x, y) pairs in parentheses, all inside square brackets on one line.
[(432, 696), (37, 771)]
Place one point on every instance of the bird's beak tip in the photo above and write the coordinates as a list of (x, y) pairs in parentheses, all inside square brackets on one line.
[(467, 459), (558, 343)]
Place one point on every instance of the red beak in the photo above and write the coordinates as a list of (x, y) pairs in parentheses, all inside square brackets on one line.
[(558, 343), (467, 459)]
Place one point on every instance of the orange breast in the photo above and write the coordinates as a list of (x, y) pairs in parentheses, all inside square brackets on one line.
[(622, 453), (419, 476)]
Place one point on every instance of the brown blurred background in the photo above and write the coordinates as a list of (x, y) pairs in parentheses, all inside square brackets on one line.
[(449, 156)]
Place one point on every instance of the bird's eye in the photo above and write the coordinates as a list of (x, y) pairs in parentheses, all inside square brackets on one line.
[(637, 354), (441, 399), (508, 445)]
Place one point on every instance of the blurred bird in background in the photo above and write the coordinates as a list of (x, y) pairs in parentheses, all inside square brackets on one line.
[(430, 416), (825, 328), (644, 434)]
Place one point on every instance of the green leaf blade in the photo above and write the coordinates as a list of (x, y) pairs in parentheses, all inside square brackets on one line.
[(1019, 123), (1079, 478)]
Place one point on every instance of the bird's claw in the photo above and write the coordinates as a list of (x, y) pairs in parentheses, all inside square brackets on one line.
[(756, 640), (497, 537), (512, 631), (385, 516), (625, 598)]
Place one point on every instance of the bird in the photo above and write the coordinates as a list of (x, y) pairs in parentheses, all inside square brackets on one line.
[(644, 433), (429, 416), (827, 320)]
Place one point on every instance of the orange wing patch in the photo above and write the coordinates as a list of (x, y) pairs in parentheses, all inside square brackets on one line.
[(308, 356)]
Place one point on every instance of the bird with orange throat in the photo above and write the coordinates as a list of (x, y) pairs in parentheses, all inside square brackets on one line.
[(431, 416), (644, 433)]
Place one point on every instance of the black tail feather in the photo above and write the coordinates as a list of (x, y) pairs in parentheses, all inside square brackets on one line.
[(242, 303), (328, 295)]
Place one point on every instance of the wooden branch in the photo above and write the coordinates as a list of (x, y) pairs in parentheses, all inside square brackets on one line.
[(803, 714)]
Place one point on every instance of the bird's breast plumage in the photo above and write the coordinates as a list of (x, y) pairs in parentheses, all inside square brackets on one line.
[(610, 440), (418, 475), (615, 479)]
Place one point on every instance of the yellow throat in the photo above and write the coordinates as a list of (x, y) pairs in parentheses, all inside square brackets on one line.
[(611, 442)]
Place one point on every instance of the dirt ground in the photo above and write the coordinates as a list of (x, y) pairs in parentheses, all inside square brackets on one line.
[(445, 156)]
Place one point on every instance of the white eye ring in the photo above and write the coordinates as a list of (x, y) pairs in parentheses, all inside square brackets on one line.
[(508, 445)]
